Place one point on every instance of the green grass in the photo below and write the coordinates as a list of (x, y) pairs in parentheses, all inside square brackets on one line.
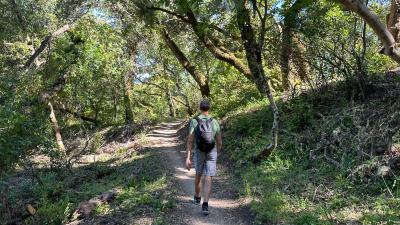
[(293, 188)]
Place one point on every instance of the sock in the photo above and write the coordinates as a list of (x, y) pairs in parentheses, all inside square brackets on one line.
[(205, 203)]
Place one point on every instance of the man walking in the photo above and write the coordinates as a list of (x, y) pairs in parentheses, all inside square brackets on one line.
[(205, 137)]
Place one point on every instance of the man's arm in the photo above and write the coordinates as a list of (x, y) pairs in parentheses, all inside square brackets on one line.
[(218, 140), (189, 147)]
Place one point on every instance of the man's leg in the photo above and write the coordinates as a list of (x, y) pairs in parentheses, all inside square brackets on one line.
[(197, 185), (197, 181), (207, 188), (207, 192), (210, 171)]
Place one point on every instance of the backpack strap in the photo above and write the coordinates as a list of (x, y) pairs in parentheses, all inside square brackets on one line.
[(198, 119)]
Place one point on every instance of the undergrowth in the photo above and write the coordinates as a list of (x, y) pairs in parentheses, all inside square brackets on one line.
[(327, 169)]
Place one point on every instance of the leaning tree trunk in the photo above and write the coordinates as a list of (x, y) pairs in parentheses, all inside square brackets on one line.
[(221, 53), (380, 29), (56, 129), (254, 61), (197, 75), (45, 98), (262, 82), (46, 41)]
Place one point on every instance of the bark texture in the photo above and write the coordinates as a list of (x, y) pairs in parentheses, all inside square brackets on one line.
[(300, 61)]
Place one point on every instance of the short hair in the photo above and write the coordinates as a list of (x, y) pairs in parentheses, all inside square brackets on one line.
[(205, 105)]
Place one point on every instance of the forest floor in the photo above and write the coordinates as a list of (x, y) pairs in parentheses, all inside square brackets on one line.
[(225, 206)]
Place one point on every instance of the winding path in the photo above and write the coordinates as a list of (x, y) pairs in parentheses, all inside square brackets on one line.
[(225, 207)]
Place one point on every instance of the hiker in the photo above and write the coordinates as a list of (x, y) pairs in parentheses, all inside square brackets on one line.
[(205, 137)]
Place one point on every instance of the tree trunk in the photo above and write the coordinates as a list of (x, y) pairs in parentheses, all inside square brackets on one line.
[(198, 76), (45, 98), (115, 101), (383, 33), (128, 99), (286, 52), (45, 42), (393, 22), (171, 106), (292, 50), (129, 116), (299, 60), (56, 129), (185, 97), (254, 60)]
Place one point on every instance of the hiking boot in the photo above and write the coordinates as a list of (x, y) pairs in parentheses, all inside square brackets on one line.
[(196, 200), (204, 208)]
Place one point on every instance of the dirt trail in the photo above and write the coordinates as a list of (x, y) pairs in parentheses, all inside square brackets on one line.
[(224, 206)]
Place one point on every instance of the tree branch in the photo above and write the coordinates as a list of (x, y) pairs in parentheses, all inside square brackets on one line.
[(380, 29), (153, 84), (61, 107), (46, 41), (219, 52), (177, 15), (197, 75), (263, 20)]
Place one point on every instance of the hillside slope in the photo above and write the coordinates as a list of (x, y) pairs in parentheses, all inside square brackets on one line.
[(338, 160)]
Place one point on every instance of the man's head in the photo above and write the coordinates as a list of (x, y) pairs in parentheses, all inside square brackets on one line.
[(205, 105)]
